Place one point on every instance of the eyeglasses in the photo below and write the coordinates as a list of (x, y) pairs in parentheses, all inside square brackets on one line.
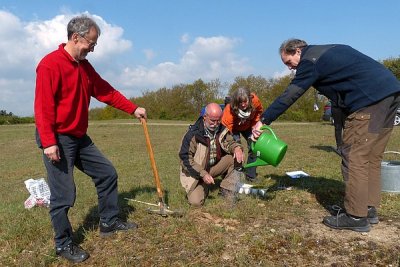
[(91, 44)]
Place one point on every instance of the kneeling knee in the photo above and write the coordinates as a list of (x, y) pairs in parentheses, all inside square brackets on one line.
[(196, 202)]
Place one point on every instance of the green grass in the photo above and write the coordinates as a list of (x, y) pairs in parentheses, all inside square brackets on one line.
[(282, 229)]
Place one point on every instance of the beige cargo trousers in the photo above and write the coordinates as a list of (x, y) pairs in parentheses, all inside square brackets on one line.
[(365, 136), (197, 191)]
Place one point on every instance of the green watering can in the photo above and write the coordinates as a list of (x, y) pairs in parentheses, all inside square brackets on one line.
[(269, 149)]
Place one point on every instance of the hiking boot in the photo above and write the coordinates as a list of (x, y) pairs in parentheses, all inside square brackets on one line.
[(251, 179), (73, 253), (372, 215), (118, 225), (347, 222), (229, 196)]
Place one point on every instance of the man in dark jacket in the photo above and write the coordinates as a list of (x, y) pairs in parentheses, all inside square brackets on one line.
[(207, 151), (370, 94)]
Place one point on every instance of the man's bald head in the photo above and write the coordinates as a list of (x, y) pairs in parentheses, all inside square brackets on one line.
[(213, 110), (212, 116)]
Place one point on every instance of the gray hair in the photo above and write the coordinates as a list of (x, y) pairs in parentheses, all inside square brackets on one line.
[(289, 46), (238, 96), (81, 25)]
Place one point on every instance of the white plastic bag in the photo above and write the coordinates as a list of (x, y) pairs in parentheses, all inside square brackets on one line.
[(40, 193)]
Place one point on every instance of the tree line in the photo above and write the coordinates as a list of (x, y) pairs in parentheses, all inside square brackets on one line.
[(10, 118), (185, 101)]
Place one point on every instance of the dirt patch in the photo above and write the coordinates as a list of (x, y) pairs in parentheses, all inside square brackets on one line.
[(303, 241), (386, 232)]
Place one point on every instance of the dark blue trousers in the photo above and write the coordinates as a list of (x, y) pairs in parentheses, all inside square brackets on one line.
[(251, 157), (83, 154)]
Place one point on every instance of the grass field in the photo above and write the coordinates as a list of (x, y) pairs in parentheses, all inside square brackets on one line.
[(282, 229)]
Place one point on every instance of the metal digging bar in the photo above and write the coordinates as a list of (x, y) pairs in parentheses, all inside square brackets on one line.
[(163, 208)]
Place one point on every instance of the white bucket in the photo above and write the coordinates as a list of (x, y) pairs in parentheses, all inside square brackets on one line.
[(390, 175)]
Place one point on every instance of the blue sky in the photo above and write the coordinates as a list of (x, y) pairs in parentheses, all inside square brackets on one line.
[(149, 44)]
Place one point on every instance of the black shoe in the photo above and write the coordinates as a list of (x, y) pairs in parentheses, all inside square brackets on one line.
[(372, 215), (73, 253), (251, 179), (347, 222), (118, 225), (335, 210)]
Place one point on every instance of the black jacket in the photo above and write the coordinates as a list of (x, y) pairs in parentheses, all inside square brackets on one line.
[(195, 153), (341, 73)]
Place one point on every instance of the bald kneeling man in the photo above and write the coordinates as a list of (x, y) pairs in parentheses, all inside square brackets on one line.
[(208, 150)]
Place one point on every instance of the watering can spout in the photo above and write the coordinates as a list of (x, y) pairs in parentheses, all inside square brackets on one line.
[(258, 162)]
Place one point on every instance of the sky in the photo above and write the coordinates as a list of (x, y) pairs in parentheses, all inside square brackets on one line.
[(150, 44)]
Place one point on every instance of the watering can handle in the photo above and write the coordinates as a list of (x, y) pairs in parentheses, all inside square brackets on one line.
[(264, 127), (268, 128)]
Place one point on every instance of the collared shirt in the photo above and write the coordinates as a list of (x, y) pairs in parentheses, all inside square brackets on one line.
[(213, 146)]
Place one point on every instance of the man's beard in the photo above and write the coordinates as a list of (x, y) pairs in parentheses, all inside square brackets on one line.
[(212, 128)]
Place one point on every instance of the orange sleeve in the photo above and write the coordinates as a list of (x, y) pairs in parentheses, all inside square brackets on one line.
[(258, 109), (227, 118)]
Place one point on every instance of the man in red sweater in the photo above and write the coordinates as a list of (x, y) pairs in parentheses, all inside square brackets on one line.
[(65, 83)]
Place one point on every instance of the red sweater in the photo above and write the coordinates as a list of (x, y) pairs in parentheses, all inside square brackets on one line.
[(62, 96)]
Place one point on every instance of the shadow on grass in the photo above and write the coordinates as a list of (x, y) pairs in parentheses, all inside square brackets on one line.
[(91, 221), (327, 192), (324, 148)]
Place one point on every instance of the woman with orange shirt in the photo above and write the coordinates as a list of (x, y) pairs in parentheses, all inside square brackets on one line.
[(240, 115)]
